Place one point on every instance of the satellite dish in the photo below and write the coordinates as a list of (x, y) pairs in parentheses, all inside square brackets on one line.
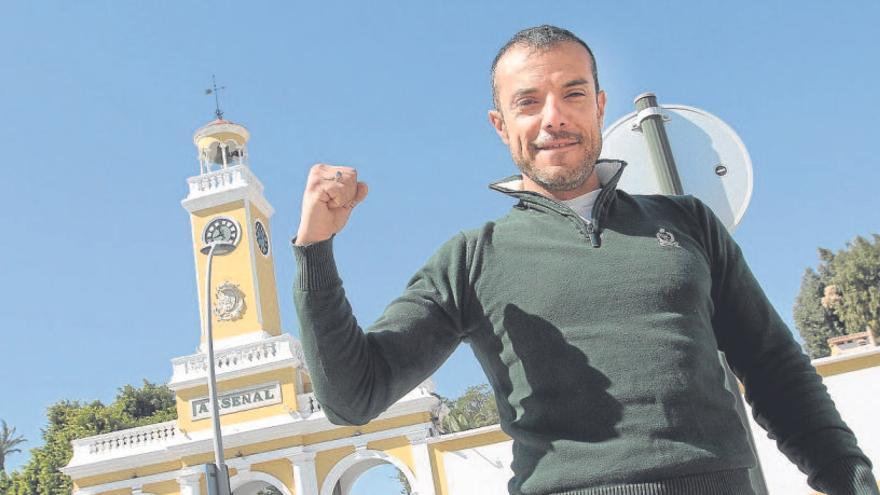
[(711, 160)]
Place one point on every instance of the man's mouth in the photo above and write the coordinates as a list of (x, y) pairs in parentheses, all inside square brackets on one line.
[(555, 145)]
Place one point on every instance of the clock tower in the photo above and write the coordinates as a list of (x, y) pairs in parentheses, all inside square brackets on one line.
[(226, 202)]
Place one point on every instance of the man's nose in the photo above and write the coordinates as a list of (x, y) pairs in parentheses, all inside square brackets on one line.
[(553, 115)]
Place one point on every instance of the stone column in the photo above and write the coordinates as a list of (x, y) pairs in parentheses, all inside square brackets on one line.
[(305, 477), (189, 484), (424, 473)]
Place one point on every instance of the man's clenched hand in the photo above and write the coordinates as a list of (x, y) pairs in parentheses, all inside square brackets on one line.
[(330, 196)]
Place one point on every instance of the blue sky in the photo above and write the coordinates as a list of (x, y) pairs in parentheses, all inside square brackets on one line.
[(99, 100)]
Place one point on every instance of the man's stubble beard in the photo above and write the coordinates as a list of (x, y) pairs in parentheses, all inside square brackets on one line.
[(567, 182)]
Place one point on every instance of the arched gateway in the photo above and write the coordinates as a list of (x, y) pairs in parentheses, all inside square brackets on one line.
[(343, 475)]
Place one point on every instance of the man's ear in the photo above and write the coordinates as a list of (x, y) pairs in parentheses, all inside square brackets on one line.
[(497, 122), (600, 101)]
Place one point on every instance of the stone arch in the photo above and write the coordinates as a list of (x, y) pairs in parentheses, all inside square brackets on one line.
[(361, 461), (242, 478)]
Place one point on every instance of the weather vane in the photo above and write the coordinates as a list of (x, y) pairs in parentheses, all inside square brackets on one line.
[(214, 90)]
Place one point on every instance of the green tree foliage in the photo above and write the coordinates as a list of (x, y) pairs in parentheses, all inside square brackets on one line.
[(8, 443), (149, 404), (815, 323), (474, 408), (5, 483), (841, 296), (857, 279), (70, 420)]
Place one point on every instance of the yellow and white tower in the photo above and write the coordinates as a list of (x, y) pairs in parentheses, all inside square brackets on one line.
[(259, 368), (226, 198)]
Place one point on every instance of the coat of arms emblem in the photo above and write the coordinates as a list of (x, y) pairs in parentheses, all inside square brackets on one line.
[(666, 239), (230, 302)]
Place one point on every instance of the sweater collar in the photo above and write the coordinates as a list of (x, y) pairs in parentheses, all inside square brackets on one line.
[(608, 171)]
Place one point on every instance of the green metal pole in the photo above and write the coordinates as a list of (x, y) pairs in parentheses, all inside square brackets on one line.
[(651, 123)]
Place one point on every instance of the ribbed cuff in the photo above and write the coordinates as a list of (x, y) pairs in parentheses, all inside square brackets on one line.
[(847, 476), (316, 268)]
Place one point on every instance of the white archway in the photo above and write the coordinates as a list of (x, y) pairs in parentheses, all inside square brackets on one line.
[(244, 477), (370, 458)]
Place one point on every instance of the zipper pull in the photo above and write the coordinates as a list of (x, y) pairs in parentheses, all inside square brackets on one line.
[(595, 240)]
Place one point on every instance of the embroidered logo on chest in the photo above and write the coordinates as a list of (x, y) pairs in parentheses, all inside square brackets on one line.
[(666, 239)]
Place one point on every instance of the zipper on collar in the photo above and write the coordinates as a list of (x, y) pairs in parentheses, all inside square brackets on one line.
[(595, 240), (527, 198)]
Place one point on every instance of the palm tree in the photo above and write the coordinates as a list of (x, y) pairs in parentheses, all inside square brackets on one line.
[(8, 441)]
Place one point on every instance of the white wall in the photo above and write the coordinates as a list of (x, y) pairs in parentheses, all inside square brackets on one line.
[(479, 471), (857, 396)]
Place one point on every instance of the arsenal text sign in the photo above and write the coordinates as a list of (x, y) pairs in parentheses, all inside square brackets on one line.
[(238, 400)]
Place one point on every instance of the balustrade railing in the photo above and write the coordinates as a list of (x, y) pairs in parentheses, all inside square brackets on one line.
[(221, 179), (235, 358), (150, 436)]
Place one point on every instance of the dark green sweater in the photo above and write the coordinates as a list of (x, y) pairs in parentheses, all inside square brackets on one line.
[(600, 340)]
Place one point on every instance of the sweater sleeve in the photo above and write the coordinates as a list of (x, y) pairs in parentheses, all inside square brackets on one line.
[(787, 396), (357, 375)]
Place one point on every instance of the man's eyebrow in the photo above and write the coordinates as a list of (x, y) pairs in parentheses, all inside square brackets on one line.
[(576, 82)]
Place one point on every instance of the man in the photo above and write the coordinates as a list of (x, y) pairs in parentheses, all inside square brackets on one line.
[(595, 314)]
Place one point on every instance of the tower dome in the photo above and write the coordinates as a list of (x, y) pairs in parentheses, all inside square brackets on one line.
[(221, 144)]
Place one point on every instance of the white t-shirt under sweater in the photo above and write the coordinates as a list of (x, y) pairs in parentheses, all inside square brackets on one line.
[(583, 204)]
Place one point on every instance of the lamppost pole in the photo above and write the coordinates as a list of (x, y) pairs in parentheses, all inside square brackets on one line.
[(221, 475)]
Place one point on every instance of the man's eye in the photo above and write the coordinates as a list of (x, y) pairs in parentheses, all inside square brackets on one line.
[(575, 94), (526, 102)]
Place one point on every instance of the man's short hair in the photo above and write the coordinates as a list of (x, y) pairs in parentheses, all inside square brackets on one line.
[(542, 38)]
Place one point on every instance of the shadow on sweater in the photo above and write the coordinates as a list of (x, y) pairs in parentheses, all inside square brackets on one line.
[(568, 399)]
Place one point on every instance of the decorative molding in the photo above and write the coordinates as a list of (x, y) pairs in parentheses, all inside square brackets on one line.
[(239, 463), (232, 362), (847, 362), (419, 437), (246, 433), (236, 340), (192, 473), (236, 183), (467, 433)]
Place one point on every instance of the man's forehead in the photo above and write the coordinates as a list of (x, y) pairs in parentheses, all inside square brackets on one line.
[(522, 63)]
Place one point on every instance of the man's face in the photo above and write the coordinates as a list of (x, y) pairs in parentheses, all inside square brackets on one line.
[(550, 117)]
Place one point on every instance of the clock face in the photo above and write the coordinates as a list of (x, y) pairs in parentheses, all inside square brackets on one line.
[(221, 229), (262, 238)]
